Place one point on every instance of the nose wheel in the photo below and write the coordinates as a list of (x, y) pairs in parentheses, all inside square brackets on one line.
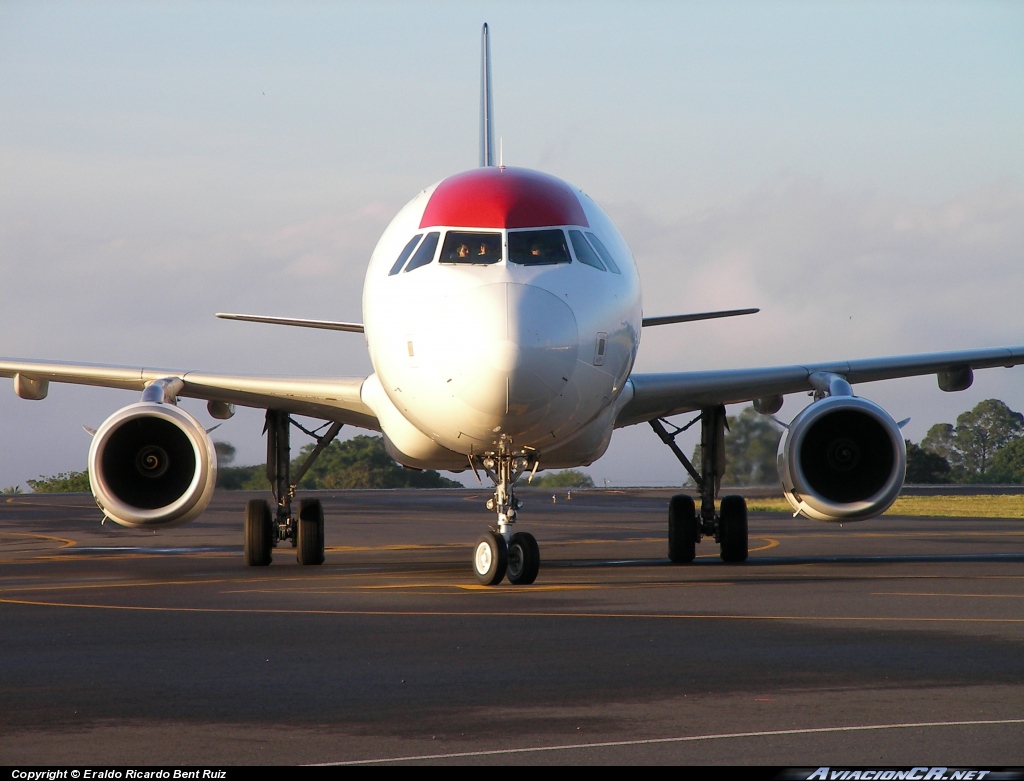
[(523, 559), (499, 552), (490, 559)]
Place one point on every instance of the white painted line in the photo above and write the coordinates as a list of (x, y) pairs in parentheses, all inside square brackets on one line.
[(687, 739)]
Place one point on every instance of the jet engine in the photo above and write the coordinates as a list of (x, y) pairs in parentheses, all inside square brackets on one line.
[(842, 459), (152, 464)]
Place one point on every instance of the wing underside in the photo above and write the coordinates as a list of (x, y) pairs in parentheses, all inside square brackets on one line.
[(662, 395), (651, 396), (329, 399)]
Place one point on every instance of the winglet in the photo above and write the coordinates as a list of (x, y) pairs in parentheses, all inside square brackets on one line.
[(486, 103)]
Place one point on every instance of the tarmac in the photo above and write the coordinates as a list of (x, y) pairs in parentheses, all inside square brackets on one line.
[(891, 642)]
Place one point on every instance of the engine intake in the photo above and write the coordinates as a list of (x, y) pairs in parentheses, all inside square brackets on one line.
[(842, 459), (152, 464)]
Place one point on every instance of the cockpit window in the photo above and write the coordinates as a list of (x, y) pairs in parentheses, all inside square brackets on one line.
[(584, 252), (538, 248), (405, 253), (425, 253), (602, 250), (464, 247)]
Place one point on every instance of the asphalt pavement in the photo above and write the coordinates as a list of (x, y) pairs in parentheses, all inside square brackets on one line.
[(897, 641)]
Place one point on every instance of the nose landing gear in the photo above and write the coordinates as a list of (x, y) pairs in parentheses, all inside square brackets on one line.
[(499, 552)]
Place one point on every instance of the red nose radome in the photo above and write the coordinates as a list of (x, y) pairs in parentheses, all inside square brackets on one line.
[(503, 198)]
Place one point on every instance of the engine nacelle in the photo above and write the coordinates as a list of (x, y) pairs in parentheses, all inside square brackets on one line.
[(152, 464), (842, 459)]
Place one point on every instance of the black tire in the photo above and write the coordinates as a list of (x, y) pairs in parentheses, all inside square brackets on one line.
[(732, 527), (309, 548), (490, 559), (259, 533), (523, 559), (683, 529)]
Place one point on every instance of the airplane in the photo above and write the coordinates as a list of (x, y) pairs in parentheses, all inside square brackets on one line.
[(502, 313)]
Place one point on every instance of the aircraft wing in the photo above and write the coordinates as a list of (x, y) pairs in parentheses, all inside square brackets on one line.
[(330, 399), (662, 395)]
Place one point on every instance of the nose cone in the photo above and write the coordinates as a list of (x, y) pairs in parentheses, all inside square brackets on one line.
[(512, 350)]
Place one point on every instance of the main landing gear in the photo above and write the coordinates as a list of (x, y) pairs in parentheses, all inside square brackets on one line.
[(499, 552), (685, 526), (264, 528)]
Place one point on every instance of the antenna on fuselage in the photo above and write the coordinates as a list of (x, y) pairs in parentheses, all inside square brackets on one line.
[(486, 103)]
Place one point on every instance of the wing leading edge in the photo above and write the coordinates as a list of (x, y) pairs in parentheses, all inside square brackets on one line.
[(662, 395), (330, 399)]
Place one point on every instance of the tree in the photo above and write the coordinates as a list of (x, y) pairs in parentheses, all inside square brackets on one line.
[(980, 433), (1008, 464), (939, 440), (237, 478), (567, 478), (924, 466), (242, 478), (363, 462), (225, 452), (751, 450), (971, 446), (65, 482)]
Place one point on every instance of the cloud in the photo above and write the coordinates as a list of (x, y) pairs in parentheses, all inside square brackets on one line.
[(837, 274), (319, 248)]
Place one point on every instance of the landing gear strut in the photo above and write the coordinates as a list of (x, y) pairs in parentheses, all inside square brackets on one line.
[(499, 551), (685, 526), (264, 529)]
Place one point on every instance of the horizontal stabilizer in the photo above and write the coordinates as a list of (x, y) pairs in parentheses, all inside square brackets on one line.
[(329, 325), (697, 316)]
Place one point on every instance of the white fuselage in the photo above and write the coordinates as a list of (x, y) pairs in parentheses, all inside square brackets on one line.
[(502, 321)]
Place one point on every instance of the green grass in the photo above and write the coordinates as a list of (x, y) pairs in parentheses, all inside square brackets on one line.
[(990, 506)]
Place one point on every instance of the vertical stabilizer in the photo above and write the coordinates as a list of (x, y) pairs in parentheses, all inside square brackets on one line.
[(486, 103)]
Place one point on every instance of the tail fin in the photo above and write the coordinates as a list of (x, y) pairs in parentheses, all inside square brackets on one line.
[(486, 103)]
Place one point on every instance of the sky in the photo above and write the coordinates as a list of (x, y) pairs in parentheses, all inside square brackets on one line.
[(856, 170)]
